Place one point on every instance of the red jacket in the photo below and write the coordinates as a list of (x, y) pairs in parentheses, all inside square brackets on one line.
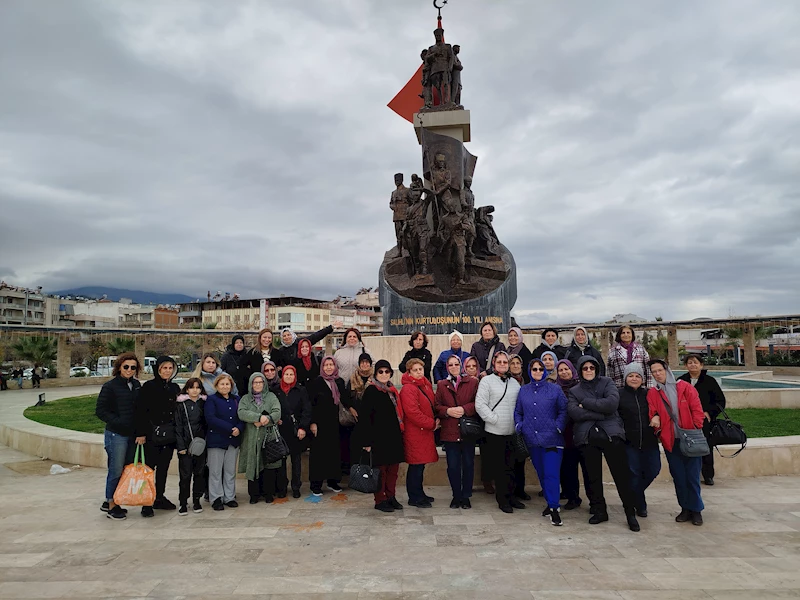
[(690, 412), (416, 400), (448, 397)]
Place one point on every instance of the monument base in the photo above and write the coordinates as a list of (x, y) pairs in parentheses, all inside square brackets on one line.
[(403, 315)]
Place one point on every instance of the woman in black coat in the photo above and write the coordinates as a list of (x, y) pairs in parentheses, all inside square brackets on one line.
[(486, 347), (326, 392), (235, 362), (255, 357), (306, 363), (380, 430), (294, 427), (154, 422), (419, 349), (287, 353), (581, 346)]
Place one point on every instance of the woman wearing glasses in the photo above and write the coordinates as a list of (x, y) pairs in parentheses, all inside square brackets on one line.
[(380, 429), (115, 407), (599, 432)]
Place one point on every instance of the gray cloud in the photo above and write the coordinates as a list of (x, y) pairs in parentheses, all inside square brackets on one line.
[(643, 158)]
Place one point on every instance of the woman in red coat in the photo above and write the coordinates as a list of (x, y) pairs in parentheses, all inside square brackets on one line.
[(419, 419), (684, 402), (455, 398)]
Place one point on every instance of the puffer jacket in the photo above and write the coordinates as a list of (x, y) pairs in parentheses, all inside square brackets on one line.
[(196, 421), (498, 419), (635, 412), (116, 404), (594, 402), (419, 420), (346, 359), (448, 397), (541, 413)]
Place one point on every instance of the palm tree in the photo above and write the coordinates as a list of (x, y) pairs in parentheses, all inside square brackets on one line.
[(121, 344), (658, 347), (38, 350)]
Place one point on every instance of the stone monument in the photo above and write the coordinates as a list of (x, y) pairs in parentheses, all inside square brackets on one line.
[(448, 269)]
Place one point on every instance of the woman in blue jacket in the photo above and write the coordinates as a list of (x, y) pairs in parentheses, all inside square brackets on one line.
[(540, 416), (223, 440)]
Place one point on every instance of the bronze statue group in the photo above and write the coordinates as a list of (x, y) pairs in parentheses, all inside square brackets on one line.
[(553, 405)]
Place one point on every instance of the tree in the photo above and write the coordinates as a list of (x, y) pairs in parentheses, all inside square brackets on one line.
[(121, 344), (658, 347), (762, 333), (38, 350)]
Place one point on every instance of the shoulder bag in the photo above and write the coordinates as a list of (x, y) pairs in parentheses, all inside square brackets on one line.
[(724, 432), (692, 442), (365, 478), (197, 445), (274, 448)]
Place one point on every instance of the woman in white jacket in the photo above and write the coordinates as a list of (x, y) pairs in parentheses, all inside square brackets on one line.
[(495, 403), (346, 357)]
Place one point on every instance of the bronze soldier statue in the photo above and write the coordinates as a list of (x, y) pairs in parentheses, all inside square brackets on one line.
[(417, 234), (441, 179), (427, 94), (486, 243), (455, 76), (468, 208), (440, 60), (399, 205)]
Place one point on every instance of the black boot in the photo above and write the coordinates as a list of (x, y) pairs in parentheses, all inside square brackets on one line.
[(599, 516), (633, 524)]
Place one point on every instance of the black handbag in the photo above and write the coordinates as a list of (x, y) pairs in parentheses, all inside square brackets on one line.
[(598, 436), (521, 451), (365, 478), (726, 432), (470, 428), (164, 434), (274, 448)]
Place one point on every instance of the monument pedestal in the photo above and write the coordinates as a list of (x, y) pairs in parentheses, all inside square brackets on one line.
[(452, 123)]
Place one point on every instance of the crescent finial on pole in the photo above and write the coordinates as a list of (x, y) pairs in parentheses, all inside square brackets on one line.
[(439, 9)]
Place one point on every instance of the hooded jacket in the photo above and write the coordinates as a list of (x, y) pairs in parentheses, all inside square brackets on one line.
[(594, 402), (690, 411), (540, 414), (634, 409), (116, 404), (236, 363), (574, 352), (482, 349), (711, 395), (419, 420), (195, 426), (498, 418), (156, 405)]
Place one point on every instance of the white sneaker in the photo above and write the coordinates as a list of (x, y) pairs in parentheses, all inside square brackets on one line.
[(334, 488), (317, 494)]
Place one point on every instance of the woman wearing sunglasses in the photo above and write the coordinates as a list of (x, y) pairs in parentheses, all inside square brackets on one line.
[(380, 430), (599, 432), (115, 407)]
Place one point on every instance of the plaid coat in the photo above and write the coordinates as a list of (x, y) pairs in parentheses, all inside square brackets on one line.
[(618, 360)]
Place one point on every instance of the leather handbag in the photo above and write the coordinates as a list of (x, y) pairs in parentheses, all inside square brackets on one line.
[(521, 451), (164, 434), (274, 448), (197, 445), (470, 428), (692, 442), (598, 436), (365, 478), (346, 418), (726, 432)]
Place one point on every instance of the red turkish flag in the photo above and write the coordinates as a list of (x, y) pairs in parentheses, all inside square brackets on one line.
[(408, 100)]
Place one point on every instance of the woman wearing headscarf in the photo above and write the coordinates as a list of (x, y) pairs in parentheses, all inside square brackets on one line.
[(599, 432), (644, 457), (306, 363), (516, 346), (713, 400), (294, 427), (207, 371), (471, 366), (540, 416), (625, 351), (235, 362), (380, 430), (684, 402), (348, 355), (256, 356), (419, 416), (419, 349), (456, 344), (486, 347), (515, 368), (549, 359), (154, 416), (270, 371), (495, 403), (455, 398), (570, 485), (472, 369), (549, 342), (325, 459), (260, 412), (581, 346), (287, 353), (360, 380)]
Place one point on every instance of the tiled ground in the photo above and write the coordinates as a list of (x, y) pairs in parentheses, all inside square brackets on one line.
[(54, 543)]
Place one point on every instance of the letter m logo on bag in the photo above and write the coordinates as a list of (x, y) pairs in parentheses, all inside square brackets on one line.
[(136, 486)]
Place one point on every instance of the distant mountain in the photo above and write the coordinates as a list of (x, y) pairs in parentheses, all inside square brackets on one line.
[(137, 296)]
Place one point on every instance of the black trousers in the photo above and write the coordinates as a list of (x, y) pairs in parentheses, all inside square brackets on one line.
[(283, 480), (519, 477), (499, 454), (570, 485), (486, 475), (158, 459), (264, 485), (617, 461), (191, 470)]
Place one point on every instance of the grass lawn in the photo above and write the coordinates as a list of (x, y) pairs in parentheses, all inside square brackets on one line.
[(77, 413)]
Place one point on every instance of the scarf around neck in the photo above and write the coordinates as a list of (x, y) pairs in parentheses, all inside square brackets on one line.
[(288, 386), (306, 359), (391, 391), (331, 379), (629, 348), (517, 348), (581, 346), (569, 383)]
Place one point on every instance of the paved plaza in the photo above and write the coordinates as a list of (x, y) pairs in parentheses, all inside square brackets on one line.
[(55, 543)]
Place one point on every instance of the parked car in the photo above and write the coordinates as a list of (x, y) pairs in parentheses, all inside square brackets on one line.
[(79, 372), (28, 373)]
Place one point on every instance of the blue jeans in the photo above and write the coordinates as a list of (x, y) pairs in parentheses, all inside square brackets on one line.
[(414, 489), (645, 466), (460, 467), (547, 462), (685, 473), (116, 446)]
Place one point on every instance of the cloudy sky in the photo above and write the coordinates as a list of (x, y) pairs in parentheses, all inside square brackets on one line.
[(643, 157)]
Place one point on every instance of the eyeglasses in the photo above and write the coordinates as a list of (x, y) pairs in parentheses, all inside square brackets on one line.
[(269, 369), (588, 368), (383, 371), (537, 370), (128, 367)]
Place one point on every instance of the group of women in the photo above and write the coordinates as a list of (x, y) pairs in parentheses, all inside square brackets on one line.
[(554, 404)]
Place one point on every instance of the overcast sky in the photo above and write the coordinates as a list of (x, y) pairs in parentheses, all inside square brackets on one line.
[(643, 157)]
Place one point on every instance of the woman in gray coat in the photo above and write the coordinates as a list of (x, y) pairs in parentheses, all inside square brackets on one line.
[(598, 431)]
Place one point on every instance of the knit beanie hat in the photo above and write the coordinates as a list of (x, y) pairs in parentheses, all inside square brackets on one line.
[(633, 367)]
